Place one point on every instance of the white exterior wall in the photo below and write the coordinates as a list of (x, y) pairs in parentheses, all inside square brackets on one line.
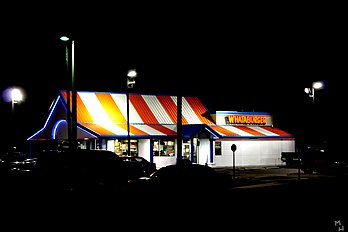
[(248, 153), (110, 145), (144, 148), (203, 155), (253, 152), (203, 151)]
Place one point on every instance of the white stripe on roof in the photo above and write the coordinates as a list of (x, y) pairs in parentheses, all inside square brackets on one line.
[(134, 117), (157, 109), (149, 130), (121, 102), (98, 113), (187, 112), (263, 131), (172, 127), (237, 131)]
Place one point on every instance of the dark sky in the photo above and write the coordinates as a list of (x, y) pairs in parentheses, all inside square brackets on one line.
[(250, 58)]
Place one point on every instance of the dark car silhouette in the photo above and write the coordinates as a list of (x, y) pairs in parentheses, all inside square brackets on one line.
[(16, 162), (144, 167), (184, 178), (84, 171)]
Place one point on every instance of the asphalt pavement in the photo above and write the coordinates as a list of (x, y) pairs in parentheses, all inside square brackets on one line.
[(267, 198), (259, 176), (284, 198)]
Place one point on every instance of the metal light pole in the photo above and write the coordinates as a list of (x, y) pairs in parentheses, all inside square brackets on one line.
[(74, 112), (315, 85), (131, 75), (312, 136), (16, 97), (179, 129), (72, 121), (310, 92), (68, 113)]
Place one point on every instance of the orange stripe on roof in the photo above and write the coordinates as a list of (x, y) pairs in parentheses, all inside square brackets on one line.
[(65, 96), (163, 130), (82, 113), (277, 131), (249, 130), (183, 119), (97, 129), (110, 107), (133, 130), (137, 131), (224, 131), (198, 108), (169, 106), (143, 109)]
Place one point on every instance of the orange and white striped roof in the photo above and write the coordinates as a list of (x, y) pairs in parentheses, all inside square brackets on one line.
[(106, 113), (249, 131)]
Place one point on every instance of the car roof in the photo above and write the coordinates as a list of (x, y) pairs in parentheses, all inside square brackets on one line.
[(130, 157), (186, 169), (80, 154)]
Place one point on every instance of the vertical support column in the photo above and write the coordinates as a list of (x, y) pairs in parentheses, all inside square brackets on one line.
[(179, 129)]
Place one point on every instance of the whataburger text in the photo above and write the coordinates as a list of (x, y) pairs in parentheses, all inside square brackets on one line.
[(246, 119)]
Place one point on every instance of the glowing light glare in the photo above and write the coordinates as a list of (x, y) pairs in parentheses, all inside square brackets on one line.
[(6, 95), (132, 73), (318, 85), (307, 90), (64, 38), (14, 94)]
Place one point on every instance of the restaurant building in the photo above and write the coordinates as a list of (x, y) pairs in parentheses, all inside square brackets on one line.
[(207, 137)]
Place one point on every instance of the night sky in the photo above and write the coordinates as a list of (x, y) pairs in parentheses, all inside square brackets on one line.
[(254, 59)]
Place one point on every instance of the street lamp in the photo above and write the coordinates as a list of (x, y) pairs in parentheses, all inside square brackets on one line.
[(315, 85), (16, 97), (73, 124), (131, 75)]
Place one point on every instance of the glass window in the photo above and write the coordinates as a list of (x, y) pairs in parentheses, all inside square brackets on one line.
[(186, 148), (162, 147), (121, 147), (217, 147)]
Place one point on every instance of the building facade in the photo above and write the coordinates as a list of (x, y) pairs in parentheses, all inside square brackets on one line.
[(207, 137)]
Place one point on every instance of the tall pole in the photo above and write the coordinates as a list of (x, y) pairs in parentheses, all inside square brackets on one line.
[(12, 102), (74, 113), (128, 133), (68, 113), (13, 122), (72, 119), (16, 97), (313, 94), (179, 129), (131, 75)]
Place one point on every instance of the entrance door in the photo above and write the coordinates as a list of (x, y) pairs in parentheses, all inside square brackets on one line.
[(186, 150)]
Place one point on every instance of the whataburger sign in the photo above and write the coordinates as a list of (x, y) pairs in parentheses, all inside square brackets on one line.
[(246, 119)]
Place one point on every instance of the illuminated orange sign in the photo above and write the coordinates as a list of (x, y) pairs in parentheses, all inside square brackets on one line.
[(246, 119)]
